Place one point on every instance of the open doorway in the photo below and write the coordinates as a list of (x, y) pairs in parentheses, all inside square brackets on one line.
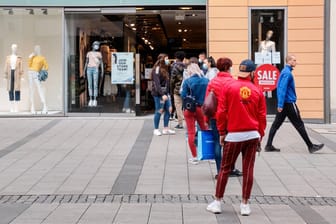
[(146, 32)]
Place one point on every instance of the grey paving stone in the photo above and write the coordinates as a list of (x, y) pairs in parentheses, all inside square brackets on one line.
[(9, 212)]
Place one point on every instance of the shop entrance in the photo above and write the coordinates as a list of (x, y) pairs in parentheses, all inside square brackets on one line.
[(114, 77)]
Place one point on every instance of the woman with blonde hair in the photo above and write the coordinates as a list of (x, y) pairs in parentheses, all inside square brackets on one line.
[(195, 86)]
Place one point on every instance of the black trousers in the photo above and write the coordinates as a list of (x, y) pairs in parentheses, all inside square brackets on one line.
[(13, 94), (291, 111)]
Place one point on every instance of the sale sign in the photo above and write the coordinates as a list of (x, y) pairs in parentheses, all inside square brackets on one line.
[(266, 77)]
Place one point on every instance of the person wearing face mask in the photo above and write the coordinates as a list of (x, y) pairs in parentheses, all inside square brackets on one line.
[(210, 65), (201, 58), (160, 93), (94, 60)]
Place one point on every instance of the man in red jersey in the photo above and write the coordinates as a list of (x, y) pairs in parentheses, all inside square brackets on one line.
[(242, 115)]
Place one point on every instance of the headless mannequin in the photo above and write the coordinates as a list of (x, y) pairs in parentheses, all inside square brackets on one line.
[(13, 74), (36, 63), (94, 59), (267, 45)]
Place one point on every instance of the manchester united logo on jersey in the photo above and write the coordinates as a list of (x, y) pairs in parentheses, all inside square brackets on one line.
[(245, 93)]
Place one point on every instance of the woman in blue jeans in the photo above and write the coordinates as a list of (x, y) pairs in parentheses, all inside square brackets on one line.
[(160, 93)]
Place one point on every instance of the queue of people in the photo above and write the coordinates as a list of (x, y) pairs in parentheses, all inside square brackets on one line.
[(239, 123)]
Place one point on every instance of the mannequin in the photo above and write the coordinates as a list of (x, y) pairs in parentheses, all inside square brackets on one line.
[(14, 75), (36, 63), (267, 45), (94, 59)]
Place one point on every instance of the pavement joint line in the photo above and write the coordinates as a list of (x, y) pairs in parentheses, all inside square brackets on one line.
[(36, 133), (164, 198)]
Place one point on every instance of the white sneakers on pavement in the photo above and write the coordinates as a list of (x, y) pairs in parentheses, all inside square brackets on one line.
[(193, 161), (245, 209), (214, 207), (157, 132), (168, 132)]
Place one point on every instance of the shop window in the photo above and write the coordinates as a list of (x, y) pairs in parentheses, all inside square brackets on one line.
[(31, 40), (268, 43)]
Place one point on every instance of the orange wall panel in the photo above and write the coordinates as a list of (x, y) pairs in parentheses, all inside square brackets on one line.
[(305, 11), (306, 46), (228, 12), (311, 58), (228, 23), (311, 82), (305, 2), (228, 2), (305, 35), (267, 3), (305, 23), (307, 93), (228, 35), (226, 46), (308, 70)]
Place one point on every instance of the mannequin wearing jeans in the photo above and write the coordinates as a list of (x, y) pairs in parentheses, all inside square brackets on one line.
[(13, 75), (94, 59), (36, 63)]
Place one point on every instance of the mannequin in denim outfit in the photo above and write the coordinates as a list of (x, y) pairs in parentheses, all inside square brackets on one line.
[(94, 59)]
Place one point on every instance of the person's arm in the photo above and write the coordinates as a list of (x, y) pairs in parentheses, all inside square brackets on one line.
[(6, 70), (101, 65), (45, 64), (282, 90), (85, 66), (222, 116), (156, 81), (20, 68), (262, 115)]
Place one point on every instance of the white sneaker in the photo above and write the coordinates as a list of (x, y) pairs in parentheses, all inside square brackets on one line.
[(168, 132), (128, 110), (245, 209), (193, 161), (90, 103), (94, 103), (44, 110), (157, 132), (214, 207)]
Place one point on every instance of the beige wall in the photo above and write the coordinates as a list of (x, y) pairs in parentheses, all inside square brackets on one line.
[(228, 36), (332, 60)]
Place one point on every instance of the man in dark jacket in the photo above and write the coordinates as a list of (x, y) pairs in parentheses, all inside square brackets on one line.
[(176, 78)]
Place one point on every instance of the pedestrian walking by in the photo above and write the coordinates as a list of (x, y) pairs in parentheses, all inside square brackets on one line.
[(194, 86), (201, 58), (217, 84), (287, 108), (210, 65), (241, 125), (160, 93), (177, 70)]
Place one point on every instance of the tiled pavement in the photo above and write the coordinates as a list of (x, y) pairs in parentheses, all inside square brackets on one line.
[(112, 170)]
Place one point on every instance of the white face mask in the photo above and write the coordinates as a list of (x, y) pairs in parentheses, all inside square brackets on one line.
[(95, 47)]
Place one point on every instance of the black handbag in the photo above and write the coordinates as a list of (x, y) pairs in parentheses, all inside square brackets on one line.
[(43, 75), (189, 102)]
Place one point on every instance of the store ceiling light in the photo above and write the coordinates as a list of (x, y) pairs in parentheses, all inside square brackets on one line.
[(185, 8)]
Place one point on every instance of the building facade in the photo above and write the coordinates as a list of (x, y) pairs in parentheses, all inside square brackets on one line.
[(65, 30)]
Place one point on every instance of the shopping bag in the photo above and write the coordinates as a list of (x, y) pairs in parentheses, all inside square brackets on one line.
[(205, 145)]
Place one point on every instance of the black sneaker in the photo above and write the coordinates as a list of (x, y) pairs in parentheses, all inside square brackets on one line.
[(236, 173), (315, 148), (271, 148), (179, 126)]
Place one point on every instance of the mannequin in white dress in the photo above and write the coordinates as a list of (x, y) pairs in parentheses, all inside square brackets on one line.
[(267, 45)]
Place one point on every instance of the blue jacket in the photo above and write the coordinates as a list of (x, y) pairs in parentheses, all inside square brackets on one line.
[(195, 86), (286, 87)]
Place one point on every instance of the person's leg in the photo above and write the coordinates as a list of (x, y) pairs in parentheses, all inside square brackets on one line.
[(178, 108), (295, 119), (126, 105), (230, 155), (158, 111), (248, 157), (218, 148), (166, 107), (190, 122), (89, 76), (200, 118), (279, 119)]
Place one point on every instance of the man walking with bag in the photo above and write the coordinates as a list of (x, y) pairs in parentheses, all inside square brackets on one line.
[(287, 108)]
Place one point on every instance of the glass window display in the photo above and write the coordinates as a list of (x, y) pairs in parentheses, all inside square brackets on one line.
[(23, 31)]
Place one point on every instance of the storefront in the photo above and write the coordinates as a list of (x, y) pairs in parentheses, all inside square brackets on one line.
[(136, 32), (238, 28)]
